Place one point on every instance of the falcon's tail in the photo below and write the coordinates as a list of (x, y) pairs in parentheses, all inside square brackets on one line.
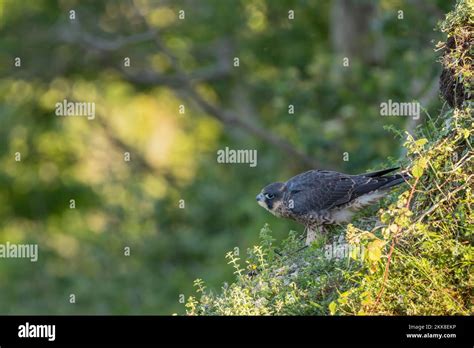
[(390, 180), (394, 180), (380, 172), (377, 181)]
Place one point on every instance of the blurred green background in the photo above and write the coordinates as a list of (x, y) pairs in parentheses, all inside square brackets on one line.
[(184, 58)]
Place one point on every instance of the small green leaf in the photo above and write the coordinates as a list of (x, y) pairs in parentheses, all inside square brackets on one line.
[(332, 308), (419, 167), (417, 171), (375, 250), (385, 217)]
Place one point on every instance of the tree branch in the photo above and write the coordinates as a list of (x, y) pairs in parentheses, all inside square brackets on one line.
[(184, 82), (136, 158)]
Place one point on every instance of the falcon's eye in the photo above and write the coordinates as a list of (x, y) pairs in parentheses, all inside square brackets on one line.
[(269, 196)]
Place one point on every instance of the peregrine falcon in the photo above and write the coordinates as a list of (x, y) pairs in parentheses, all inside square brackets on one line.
[(318, 198)]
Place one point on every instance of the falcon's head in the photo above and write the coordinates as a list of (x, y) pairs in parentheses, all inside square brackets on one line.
[(271, 197)]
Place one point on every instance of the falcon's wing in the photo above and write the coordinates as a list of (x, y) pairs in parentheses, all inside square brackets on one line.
[(319, 190)]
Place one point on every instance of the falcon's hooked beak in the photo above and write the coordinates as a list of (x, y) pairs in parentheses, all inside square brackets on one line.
[(261, 200)]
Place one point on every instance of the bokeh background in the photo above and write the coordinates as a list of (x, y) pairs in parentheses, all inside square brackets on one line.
[(184, 61)]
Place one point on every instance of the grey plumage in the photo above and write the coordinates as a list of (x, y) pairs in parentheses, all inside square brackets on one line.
[(317, 198)]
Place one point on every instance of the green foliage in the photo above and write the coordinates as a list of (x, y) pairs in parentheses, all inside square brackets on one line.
[(458, 55), (430, 270), (277, 282), (462, 15)]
